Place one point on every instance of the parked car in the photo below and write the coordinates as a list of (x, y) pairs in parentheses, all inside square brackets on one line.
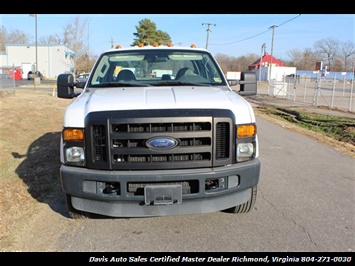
[(31, 75), (82, 77), (293, 78)]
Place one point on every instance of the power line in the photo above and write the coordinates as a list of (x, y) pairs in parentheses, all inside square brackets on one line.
[(256, 34), (288, 21)]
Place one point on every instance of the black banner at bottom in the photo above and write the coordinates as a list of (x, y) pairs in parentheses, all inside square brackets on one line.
[(92, 258)]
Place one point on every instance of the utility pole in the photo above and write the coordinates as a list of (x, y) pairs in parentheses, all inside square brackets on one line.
[(88, 59), (208, 31), (272, 48), (36, 44), (261, 60), (111, 42), (35, 15)]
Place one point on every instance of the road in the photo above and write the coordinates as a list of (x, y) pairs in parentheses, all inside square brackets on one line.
[(305, 202)]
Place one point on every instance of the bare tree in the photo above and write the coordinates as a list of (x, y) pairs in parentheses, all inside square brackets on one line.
[(329, 48), (242, 62), (225, 62), (51, 40), (338, 65), (238, 64), (13, 37), (3, 35), (347, 51), (296, 56), (310, 58), (75, 38)]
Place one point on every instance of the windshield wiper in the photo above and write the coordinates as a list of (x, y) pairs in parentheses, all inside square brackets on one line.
[(118, 84), (177, 83)]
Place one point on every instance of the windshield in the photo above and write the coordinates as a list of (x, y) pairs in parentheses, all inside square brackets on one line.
[(156, 67)]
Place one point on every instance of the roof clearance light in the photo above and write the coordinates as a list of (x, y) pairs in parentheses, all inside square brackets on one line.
[(155, 44), (170, 45), (140, 45), (118, 46), (193, 46)]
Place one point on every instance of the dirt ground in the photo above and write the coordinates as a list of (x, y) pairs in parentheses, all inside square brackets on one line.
[(30, 126)]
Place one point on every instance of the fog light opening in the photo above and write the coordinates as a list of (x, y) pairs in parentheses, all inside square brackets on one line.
[(211, 184), (112, 188)]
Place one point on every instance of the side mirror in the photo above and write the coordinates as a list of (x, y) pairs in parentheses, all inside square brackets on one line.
[(65, 86), (248, 84)]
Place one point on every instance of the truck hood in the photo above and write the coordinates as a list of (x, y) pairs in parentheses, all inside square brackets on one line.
[(138, 98)]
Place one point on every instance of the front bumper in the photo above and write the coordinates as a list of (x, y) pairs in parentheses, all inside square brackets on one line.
[(87, 189)]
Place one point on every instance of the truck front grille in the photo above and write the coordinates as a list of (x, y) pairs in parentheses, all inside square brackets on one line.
[(117, 140)]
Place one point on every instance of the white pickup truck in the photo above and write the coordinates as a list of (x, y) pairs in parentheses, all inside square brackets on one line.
[(137, 145)]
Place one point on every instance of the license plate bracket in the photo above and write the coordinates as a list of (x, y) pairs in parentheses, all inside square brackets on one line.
[(163, 195)]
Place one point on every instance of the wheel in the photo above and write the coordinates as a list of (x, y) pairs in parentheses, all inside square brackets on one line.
[(76, 214), (245, 207)]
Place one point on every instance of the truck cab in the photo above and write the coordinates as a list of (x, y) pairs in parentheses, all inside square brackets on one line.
[(178, 142)]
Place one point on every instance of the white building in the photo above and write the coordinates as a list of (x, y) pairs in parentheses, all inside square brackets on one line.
[(52, 60), (276, 73), (269, 65)]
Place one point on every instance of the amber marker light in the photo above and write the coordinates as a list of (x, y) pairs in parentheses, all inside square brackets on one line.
[(246, 131), (73, 134)]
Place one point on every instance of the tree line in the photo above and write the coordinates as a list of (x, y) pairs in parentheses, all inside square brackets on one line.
[(337, 56)]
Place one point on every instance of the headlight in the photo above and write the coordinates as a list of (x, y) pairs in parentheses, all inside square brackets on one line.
[(73, 146), (75, 155), (245, 151), (246, 142)]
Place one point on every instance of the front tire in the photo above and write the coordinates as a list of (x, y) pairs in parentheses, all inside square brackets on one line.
[(76, 214), (245, 207)]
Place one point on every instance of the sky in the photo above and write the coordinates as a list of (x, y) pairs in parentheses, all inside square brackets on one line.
[(230, 34)]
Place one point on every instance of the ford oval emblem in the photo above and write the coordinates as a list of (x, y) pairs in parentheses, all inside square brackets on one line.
[(162, 143)]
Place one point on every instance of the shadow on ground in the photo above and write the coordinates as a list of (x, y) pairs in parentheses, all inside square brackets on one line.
[(40, 171)]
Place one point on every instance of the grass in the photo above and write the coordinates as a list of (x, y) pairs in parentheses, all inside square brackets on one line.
[(338, 128), (30, 126)]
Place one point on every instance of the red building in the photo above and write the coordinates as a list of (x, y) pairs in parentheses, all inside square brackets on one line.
[(265, 62)]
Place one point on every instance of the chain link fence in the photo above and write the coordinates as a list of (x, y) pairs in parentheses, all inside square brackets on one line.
[(336, 93), (7, 82), (7, 85), (332, 93)]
